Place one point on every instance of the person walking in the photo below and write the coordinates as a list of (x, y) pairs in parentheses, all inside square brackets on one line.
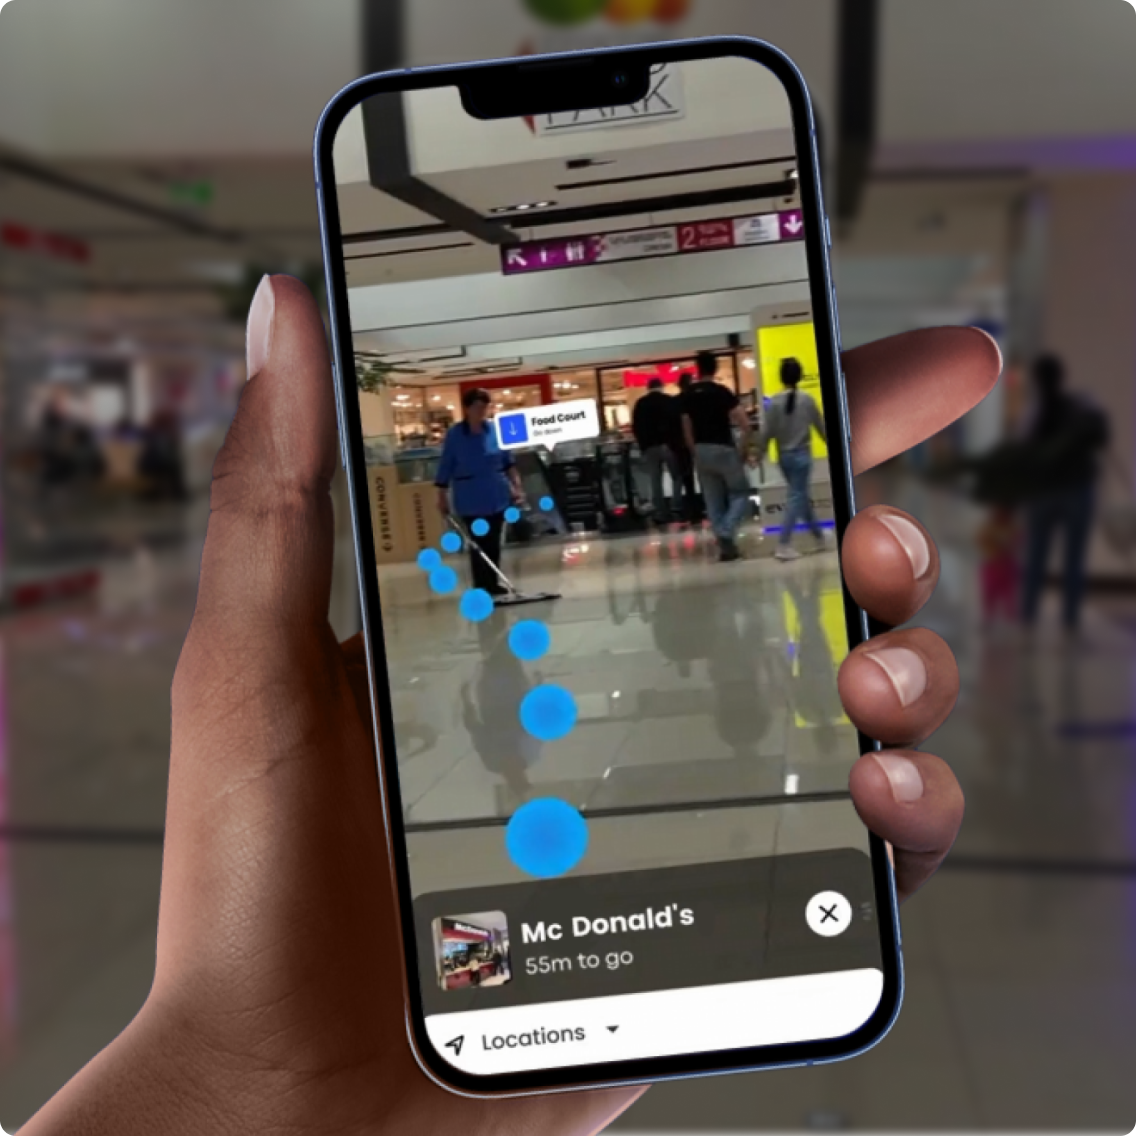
[(657, 427), (477, 480), (789, 421), (710, 414), (694, 509), (1063, 449)]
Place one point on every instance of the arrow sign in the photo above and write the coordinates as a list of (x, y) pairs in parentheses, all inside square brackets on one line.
[(515, 258), (456, 1045), (792, 225)]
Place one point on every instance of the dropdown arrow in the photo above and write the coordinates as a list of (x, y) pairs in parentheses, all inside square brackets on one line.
[(612, 1029)]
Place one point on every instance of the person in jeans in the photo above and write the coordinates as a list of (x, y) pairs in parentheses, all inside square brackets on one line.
[(710, 414), (790, 419), (482, 479), (657, 427)]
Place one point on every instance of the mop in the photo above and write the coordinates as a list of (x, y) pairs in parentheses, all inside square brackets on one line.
[(512, 598)]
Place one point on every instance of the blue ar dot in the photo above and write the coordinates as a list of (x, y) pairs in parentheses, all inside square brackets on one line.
[(443, 580), (547, 504), (548, 712), (512, 514), (451, 542), (476, 605), (480, 527), (546, 838), (529, 640), (429, 559)]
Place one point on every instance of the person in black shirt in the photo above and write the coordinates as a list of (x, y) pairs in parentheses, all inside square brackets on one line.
[(710, 414), (1066, 444), (657, 426)]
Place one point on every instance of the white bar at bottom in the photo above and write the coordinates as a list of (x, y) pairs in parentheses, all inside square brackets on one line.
[(699, 1019)]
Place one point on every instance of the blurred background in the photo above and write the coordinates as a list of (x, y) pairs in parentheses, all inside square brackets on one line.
[(980, 162)]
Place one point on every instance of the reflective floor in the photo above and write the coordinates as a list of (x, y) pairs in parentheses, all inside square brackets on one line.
[(1021, 983)]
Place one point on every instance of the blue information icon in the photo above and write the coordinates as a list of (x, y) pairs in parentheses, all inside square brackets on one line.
[(546, 838), (514, 429)]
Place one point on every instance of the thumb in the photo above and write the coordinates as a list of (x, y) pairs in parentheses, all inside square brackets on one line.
[(266, 566)]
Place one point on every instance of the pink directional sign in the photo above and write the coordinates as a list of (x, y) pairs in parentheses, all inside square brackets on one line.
[(641, 244)]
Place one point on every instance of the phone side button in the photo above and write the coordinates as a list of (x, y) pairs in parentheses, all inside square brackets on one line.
[(339, 422), (828, 230)]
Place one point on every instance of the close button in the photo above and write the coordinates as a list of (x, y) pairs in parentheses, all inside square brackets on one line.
[(828, 914)]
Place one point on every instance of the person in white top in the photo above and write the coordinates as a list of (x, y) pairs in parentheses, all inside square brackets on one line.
[(790, 419)]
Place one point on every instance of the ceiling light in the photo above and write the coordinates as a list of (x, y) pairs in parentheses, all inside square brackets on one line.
[(508, 392), (437, 398), (794, 175), (749, 364), (522, 207)]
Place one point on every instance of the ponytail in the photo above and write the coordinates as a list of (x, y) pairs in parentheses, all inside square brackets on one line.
[(791, 374)]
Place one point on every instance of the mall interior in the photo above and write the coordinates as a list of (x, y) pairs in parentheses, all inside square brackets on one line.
[(980, 169)]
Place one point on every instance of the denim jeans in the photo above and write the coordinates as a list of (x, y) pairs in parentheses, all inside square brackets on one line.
[(1070, 510), (725, 487), (657, 458), (797, 467)]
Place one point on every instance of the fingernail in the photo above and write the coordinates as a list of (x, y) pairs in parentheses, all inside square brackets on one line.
[(905, 669), (911, 540), (904, 777), (258, 338)]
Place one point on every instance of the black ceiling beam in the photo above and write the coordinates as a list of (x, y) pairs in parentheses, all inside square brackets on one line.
[(388, 161), (384, 128), (856, 101), (124, 203), (384, 35)]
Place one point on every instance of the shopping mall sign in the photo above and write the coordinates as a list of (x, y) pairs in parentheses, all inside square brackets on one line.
[(660, 240)]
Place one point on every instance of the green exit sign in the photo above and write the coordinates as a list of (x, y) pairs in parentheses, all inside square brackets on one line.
[(194, 193)]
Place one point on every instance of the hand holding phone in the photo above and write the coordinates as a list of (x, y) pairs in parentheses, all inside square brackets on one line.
[(278, 939), (278, 994)]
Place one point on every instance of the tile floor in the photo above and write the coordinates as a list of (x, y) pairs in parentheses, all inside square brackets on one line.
[(1021, 956)]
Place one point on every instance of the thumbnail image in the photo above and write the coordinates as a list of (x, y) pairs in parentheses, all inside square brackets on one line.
[(472, 950)]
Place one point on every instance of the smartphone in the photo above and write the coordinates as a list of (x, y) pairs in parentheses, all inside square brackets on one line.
[(593, 420)]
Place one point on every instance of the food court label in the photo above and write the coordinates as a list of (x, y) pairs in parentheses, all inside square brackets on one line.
[(548, 425)]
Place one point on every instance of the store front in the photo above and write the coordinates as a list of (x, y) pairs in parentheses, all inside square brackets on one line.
[(469, 954)]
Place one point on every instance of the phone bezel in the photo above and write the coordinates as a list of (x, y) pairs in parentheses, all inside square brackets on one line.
[(836, 421)]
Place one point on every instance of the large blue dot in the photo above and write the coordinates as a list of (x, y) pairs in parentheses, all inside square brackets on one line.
[(512, 514), (476, 605), (443, 580), (529, 640), (546, 838), (480, 527), (547, 504), (548, 712), (451, 542), (429, 559)]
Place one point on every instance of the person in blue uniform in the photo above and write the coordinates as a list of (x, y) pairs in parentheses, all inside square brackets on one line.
[(478, 481)]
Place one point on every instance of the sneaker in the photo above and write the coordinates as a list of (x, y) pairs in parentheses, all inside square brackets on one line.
[(786, 552)]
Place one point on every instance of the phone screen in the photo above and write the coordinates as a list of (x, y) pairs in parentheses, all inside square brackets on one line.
[(604, 481)]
